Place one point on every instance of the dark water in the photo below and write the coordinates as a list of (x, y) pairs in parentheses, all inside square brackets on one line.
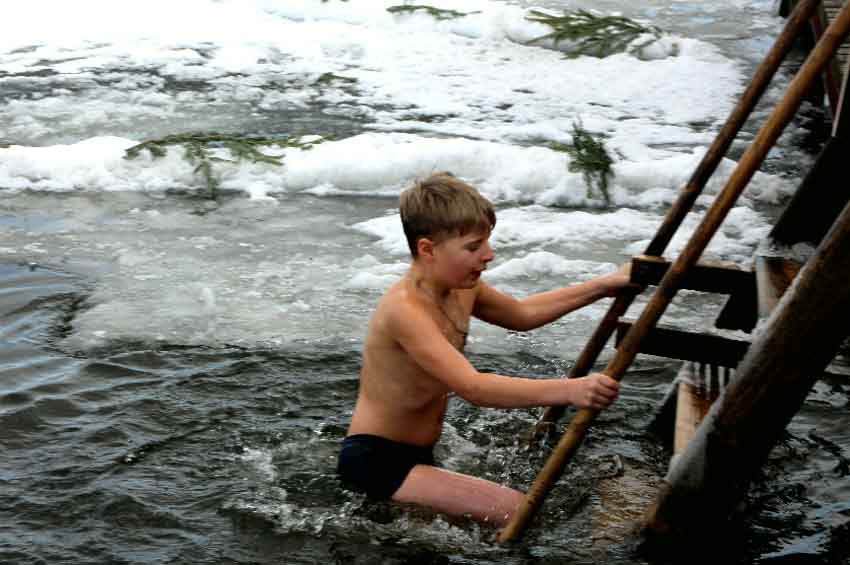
[(136, 452), (226, 455)]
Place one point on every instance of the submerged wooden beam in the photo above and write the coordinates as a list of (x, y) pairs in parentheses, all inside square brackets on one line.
[(794, 347)]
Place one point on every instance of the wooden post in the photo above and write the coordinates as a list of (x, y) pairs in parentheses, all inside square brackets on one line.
[(798, 341), (689, 194), (832, 74), (824, 190), (750, 162)]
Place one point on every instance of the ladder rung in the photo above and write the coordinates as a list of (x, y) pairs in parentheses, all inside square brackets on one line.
[(665, 341), (705, 277)]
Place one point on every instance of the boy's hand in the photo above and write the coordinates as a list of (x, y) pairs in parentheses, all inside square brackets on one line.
[(619, 279), (596, 391)]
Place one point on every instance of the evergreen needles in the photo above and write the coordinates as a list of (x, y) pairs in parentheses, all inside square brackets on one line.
[(593, 34), (589, 157), (436, 13), (202, 150)]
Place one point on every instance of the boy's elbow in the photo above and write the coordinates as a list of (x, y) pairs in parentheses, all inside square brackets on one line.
[(519, 318), (473, 390), (526, 321)]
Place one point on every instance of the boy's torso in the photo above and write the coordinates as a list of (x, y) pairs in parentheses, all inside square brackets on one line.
[(398, 399)]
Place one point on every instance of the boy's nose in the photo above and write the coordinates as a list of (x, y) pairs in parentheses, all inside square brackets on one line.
[(488, 253)]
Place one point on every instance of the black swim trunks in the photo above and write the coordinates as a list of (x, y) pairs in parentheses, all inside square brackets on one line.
[(377, 466)]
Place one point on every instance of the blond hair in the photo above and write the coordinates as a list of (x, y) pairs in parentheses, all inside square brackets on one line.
[(442, 206)]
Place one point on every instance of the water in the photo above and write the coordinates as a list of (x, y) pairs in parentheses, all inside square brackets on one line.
[(176, 373)]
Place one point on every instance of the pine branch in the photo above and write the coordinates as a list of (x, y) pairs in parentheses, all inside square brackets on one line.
[(436, 13), (330, 78), (589, 157), (202, 149), (592, 34)]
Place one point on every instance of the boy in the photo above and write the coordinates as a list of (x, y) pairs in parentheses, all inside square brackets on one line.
[(413, 356)]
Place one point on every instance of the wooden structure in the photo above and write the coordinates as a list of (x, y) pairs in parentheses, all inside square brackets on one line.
[(825, 13), (779, 364), (774, 378), (804, 308)]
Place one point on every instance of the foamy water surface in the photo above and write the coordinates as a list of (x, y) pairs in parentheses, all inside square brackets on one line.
[(179, 370)]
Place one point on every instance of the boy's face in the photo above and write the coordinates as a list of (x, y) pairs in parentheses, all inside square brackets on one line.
[(459, 260)]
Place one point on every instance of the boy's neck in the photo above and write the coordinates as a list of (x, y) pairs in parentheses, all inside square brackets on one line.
[(422, 279)]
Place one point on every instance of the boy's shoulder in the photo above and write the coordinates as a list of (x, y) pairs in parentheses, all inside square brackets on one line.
[(399, 301), (397, 312), (400, 304)]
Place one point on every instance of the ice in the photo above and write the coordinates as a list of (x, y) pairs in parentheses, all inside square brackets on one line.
[(541, 263), (373, 164), (499, 86), (299, 252)]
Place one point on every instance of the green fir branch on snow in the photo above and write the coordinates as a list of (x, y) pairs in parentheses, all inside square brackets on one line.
[(593, 34), (589, 157), (203, 150), (436, 13), (330, 78)]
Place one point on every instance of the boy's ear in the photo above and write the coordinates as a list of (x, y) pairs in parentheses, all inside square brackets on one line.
[(425, 247)]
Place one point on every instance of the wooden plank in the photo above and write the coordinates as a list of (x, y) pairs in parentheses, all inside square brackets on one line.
[(704, 277), (774, 276), (691, 407), (666, 341)]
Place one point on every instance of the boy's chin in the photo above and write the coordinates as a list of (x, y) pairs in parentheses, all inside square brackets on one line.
[(465, 283)]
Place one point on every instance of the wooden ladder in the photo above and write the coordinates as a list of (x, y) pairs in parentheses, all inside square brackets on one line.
[(685, 271)]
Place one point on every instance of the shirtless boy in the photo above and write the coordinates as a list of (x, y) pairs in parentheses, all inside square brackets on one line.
[(413, 357)]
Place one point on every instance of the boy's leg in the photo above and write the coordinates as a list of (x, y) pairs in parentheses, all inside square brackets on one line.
[(459, 495)]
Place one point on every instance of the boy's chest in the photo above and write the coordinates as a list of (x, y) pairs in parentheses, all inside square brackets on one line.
[(454, 335), (453, 320)]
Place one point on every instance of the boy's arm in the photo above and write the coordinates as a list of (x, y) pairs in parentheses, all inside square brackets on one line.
[(539, 309), (421, 338)]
